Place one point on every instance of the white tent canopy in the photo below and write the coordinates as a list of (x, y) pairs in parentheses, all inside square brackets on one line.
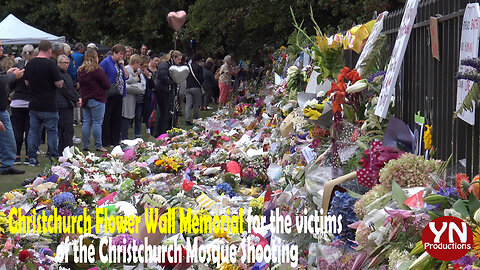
[(14, 31)]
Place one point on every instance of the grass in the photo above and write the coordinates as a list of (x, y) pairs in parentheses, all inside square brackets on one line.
[(10, 182)]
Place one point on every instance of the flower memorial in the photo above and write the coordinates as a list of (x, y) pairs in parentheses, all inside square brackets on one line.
[(324, 168)]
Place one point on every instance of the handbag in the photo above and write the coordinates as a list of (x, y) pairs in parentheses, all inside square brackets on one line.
[(193, 73), (113, 90)]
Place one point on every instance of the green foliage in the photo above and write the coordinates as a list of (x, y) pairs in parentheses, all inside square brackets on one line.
[(470, 100), (377, 58), (245, 29)]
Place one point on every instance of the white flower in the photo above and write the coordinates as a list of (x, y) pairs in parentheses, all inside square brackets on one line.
[(292, 70), (321, 94), (451, 212), (359, 86), (378, 235), (310, 103)]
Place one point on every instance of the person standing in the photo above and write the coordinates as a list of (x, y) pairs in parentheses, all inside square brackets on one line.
[(19, 106), (7, 139), (94, 84), (225, 80), (43, 77), (134, 87), (194, 90), (78, 56), (67, 99), (114, 68), (166, 94), (149, 101), (209, 83)]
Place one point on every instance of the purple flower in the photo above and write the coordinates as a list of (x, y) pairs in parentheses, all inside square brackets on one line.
[(375, 75), (472, 62), (125, 239), (65, 199), (465, 261)]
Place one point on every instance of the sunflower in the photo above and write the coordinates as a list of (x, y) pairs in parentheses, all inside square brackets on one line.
[(476, 241)]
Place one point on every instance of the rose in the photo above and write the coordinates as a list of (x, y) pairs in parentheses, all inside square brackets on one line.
[(23, 255)]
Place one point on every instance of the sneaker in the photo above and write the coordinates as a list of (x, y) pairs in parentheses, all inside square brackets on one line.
[(148, 131), (76, 140), (17, 161), (12, 170), (188, 123), (102, 149), (26, 161), (40, 152), (209, 108), (33, 162)]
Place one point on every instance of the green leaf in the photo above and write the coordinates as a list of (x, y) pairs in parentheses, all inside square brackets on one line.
[(30, 266), (460, 207), (437, 199), (470, 99), (433, 215), (473, 204), (399, 195)]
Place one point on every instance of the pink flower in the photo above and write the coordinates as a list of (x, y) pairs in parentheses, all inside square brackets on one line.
[(396, 215), (128, 155), (8, 246)]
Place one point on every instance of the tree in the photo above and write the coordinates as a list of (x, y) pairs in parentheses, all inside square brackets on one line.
[(241, 28)]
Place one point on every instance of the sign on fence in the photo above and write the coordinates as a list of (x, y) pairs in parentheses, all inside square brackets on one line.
[(468, 48), (397, 58), (377, 29)]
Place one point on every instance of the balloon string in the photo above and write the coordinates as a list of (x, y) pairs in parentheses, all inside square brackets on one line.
[(175, 37)]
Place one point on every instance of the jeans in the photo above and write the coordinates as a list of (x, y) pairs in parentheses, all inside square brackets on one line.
[(50, 121), (112, 124), (21, 125), (65, 128), (7, 142), (93, 114), (194, 98), (137, 131)]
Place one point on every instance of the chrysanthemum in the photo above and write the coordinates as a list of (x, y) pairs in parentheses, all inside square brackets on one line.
[(476, 242)]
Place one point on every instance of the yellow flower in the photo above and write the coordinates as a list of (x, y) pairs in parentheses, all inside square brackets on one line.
[(282, 48), (476, 241), (312, 114), (427, 137)]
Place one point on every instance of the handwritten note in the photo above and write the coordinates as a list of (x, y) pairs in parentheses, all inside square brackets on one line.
[(404, 31), (468, 48), (376, 31)]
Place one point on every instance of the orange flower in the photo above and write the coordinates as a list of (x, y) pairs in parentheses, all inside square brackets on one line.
[(475, 187), (459, 179)]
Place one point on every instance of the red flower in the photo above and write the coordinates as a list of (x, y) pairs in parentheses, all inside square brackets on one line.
[(23, 255)]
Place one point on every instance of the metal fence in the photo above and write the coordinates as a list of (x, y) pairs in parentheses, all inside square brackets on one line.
[(428, 85)]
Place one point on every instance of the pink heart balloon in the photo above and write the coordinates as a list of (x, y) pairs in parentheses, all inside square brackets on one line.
[(176, 19)]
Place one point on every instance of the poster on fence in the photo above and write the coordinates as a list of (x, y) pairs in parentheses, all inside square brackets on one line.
[(468, 49), (377, 30), (395, 63)]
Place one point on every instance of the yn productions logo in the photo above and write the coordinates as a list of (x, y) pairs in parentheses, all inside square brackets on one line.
[(447, 238)]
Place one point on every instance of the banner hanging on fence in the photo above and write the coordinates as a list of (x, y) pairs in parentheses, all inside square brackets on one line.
[(404, 31), (377, 30), (468, 49)]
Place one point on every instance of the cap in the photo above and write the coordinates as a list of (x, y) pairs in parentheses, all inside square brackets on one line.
[(92, 46), (27, 48)]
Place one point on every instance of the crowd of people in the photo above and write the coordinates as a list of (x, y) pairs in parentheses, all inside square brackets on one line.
[(49, 89)]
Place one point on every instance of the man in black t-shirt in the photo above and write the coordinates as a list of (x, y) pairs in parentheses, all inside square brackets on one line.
[(43, 77)]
